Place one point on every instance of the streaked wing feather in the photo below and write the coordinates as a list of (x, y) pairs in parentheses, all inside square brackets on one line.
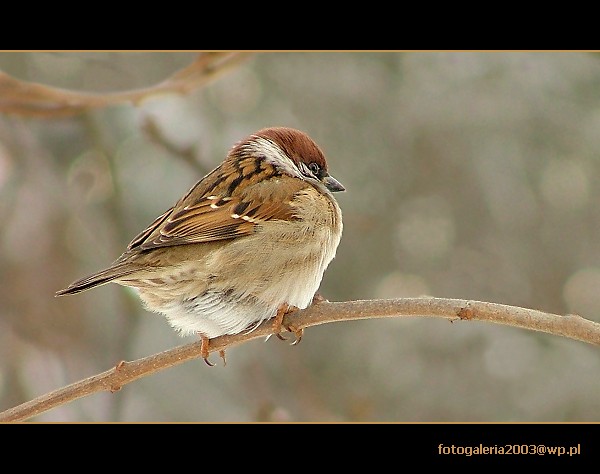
[(142, 236), (206, 222)]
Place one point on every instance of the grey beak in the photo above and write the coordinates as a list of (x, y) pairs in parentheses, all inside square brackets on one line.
[(333, 184)]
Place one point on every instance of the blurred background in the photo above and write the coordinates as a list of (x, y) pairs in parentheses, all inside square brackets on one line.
[(469, 175)]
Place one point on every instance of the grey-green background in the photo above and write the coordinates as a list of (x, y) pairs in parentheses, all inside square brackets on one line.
[(469, 175)]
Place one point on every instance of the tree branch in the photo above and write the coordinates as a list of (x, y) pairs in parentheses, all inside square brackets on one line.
[(38, 100), (570, 326)]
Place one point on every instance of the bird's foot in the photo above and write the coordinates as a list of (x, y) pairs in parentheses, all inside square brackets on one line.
[(278, 323), (205, 353)]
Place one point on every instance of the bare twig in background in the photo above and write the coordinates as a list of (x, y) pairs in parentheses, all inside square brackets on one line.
[(187, 154), (570, 326), (37, 100)]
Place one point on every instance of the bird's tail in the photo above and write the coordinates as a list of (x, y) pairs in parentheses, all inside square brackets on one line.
[(100, 278)]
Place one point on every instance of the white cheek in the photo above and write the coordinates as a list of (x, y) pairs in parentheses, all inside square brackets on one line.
[(275, 156)]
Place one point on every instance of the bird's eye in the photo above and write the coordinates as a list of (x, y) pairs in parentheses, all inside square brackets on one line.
[(314, 168)]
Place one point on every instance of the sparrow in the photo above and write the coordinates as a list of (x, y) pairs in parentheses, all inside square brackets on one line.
[(247, 243)]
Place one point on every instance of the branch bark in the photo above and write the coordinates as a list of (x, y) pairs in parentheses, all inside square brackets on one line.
[(570, 326)]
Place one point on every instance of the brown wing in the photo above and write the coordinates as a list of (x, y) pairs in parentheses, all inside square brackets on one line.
[(217, 216)]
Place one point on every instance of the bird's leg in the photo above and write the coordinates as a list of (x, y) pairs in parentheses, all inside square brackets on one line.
[(204, 353), (278, 323), (298, 333)]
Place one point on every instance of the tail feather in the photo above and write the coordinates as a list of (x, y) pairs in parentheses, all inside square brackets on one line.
[(97, 279)]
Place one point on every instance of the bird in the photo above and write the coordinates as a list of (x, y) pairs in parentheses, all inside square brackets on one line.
[(249, 242)]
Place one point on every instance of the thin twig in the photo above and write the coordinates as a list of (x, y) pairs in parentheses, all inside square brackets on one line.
[(187, 154), (570, 326)]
